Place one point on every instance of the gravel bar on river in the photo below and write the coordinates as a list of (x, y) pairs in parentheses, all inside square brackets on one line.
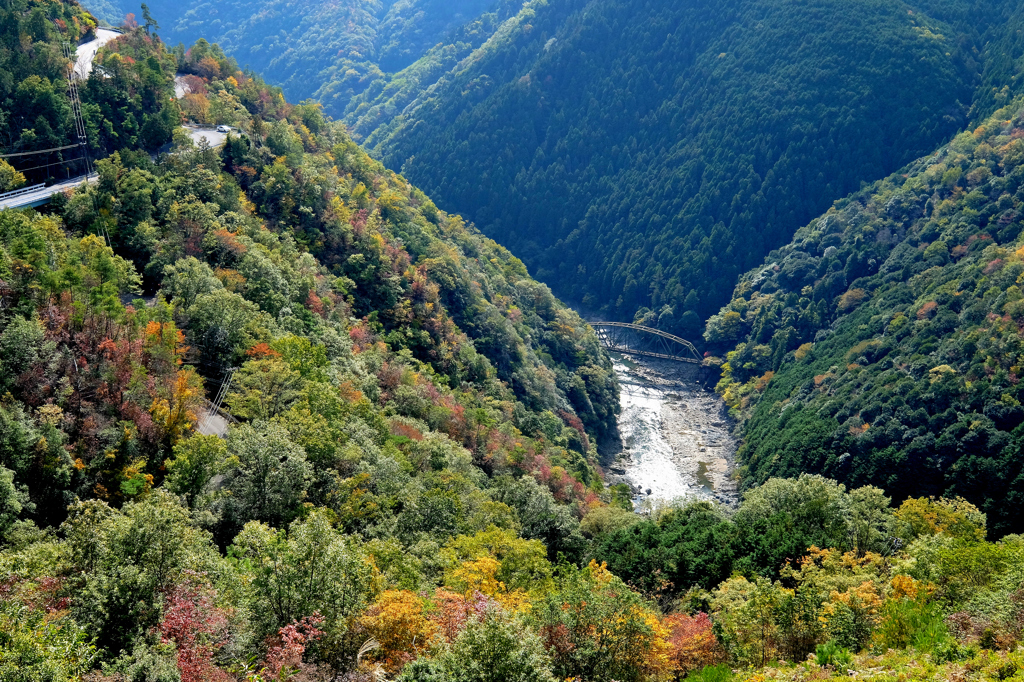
[(676, 440)]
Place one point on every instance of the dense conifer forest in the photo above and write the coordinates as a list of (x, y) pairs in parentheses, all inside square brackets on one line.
[(403, 479), (640, 155)]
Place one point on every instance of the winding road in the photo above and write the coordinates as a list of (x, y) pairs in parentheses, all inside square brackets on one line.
[(39, 195), (214, 138), (86, 52)]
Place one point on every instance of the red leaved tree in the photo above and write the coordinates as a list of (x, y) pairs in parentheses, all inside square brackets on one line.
[(196, 626), (693, 642), (286, 650), (455, 610)]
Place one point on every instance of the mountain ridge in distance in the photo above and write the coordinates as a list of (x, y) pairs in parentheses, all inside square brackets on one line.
[(638, 154), (328, 51)]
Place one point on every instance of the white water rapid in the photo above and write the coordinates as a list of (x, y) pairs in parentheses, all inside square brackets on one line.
[(675, 436)]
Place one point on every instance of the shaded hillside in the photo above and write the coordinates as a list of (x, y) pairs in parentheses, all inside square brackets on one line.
[(386, 97), (640, 155), (883, 345)]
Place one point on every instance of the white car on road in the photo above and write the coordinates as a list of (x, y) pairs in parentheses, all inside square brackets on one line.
[(224, 129)]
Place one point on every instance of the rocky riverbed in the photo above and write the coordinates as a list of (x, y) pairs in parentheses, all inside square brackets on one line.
[(676, 440)]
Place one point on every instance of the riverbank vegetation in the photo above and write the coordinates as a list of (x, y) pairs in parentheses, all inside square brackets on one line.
[(143, 591)]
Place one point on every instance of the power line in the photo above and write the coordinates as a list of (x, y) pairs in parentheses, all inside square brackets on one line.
[(55, 163), (42, 151), (76, 104)]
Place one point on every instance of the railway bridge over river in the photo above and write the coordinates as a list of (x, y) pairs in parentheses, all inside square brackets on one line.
[(635, 339)]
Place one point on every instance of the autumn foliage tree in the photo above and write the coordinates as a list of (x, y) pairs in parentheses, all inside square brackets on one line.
[(284, 655), (401, 625), (594, 627), (195, 625), (693, 642)]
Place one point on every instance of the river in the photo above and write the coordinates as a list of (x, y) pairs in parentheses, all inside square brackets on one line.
[(676, 440)]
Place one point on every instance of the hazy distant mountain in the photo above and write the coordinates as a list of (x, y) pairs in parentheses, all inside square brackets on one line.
[(330, 51)]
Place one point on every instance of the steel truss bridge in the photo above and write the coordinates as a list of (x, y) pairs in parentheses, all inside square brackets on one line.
[(635, 339)]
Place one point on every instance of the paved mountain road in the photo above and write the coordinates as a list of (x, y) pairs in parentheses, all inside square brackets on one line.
[(86, 52), (84, 56), (214, 138), (40, 196)]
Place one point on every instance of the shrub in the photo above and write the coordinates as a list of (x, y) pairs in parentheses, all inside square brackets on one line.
[(712, 673), (493, 647), (951, 651), (834, 656), (39, 646), (912, 622)]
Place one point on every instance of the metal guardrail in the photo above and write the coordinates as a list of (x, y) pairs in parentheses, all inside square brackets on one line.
[(214, 410), (23, 190), (47, 191)]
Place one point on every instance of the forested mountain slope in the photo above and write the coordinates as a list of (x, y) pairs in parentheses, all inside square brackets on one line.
[(326, 50), (290, 235), (883, 345), (640, 155)]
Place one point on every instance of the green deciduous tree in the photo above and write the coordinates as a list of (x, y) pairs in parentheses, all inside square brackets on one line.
[(268, 475), (120, 560), (196, 460), (307, 569)]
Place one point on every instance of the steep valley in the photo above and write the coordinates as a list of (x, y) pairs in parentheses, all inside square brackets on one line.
[(298, 400)]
